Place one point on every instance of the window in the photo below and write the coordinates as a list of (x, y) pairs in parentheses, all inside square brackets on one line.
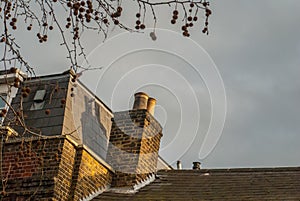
[(39, 100)]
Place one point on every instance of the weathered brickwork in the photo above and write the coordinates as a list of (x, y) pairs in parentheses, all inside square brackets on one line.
[(53, 168), (133, 148), (29, 167), (79, 174), (63, 179), (92, 176)]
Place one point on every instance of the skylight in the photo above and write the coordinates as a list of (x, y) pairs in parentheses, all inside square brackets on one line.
[(39, 100)]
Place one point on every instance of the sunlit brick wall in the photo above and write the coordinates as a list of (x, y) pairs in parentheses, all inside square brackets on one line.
[(133, 148)]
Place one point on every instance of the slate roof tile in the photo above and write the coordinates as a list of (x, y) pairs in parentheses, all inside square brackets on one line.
[(37, 120), (222, 184)]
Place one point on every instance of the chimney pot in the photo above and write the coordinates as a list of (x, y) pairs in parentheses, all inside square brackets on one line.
[(140, 101), (179, 167), (196, 165), (151, 105)]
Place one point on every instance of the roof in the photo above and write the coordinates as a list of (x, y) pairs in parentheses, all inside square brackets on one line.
[(37, 120), (56, 105), (218, 184), (162, 164)]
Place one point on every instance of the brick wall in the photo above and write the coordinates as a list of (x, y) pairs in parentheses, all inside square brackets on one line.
[(53, 168), (29, 167), (63, 179), (92, 176), (133, 148)]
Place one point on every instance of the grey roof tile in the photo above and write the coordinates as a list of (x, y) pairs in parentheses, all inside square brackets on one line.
[(223, 184), (37, 120)]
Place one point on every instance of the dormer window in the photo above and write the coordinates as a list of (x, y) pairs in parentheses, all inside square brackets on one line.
[(38, 100)]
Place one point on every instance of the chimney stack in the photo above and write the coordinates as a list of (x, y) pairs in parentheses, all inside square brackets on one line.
[(134, 143), (196, 165)]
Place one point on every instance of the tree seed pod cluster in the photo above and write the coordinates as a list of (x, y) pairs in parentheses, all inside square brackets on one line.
[(47, 111), (13, 70), (138, 23), (16, 82), (117, 13), (25, 92), (63, 101), (13, 23), (3, 112), (42, 38), (3, 39), (190, 16), (175, 16), (87, 15), (207, 14)]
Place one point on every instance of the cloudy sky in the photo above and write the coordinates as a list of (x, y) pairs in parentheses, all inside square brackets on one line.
[(251, 54), (256, 47)]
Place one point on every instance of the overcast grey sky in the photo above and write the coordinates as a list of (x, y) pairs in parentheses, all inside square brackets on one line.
[(256, 48)]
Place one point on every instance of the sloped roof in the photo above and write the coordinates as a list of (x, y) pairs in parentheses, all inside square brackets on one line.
[(36, 119), (218, 184)]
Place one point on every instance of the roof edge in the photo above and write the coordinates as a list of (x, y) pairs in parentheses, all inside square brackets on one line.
[(237, 170)]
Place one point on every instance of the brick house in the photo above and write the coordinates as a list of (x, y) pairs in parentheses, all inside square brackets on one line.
[(60, 142)]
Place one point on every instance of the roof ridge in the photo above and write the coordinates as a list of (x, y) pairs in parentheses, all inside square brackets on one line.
[(259, 169)]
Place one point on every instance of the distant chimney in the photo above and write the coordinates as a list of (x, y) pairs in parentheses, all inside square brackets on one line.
[(179, 167), (140, 101), (196, 165), (151, 105)]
